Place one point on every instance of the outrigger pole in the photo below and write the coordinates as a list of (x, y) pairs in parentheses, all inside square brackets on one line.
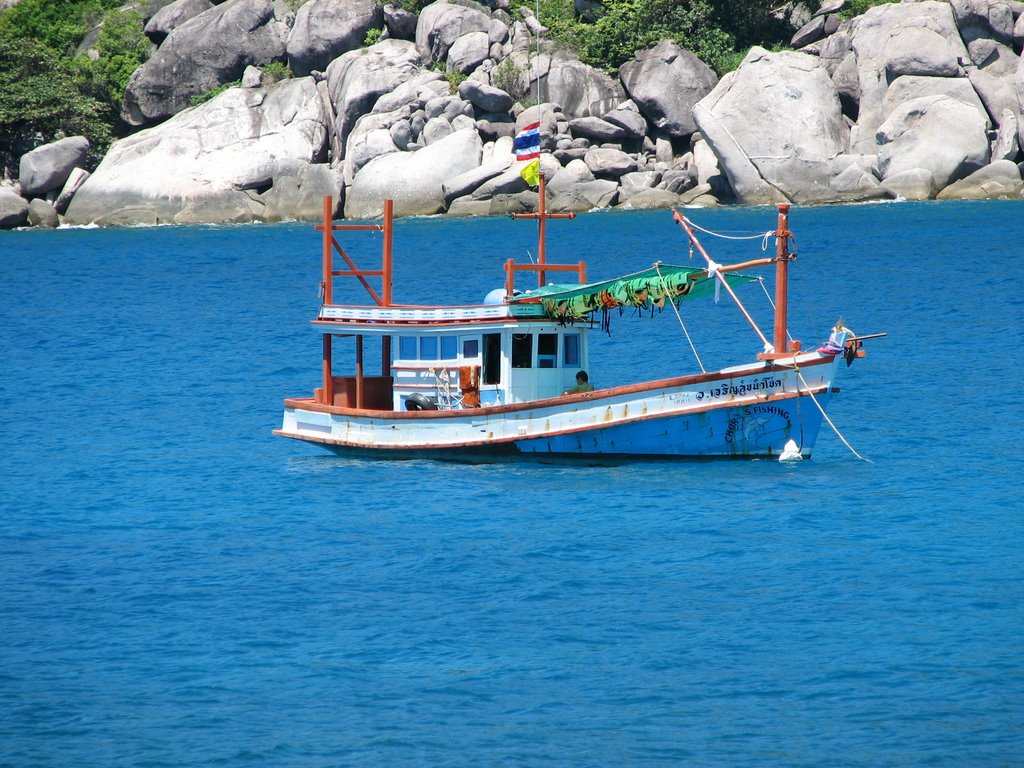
[(330, 245)]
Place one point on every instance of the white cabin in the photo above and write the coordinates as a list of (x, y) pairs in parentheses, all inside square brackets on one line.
[(460, 357)]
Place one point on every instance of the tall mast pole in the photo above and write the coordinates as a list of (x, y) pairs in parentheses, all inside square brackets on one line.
[(782, 259), (328, 292), (541, 235)]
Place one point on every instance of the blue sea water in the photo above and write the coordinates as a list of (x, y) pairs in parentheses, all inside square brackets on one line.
[(179, 587)]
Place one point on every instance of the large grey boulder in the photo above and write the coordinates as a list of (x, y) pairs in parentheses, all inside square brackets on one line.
[(440, 24), (465, 184), (507, 182), (983, 25), (939, 134), (378, 133), (836, 47), (1019, 85), (468, 52), (208, 163), (436, 129), (666, 82), (571, 174), (48, 167), (597, 130), (13, 209), (647, 199), (484, 97), (997, 93), (847, 84), (75, 180), (325, 29), (414, 180), (357, 79), (415, 92), (581, 90), (908, 87), (776, 126), (172, 16), (586, 196), (993, 57), (811, 32), (605, 161), (41, 214), (706, 167), (300, 196), (363, 146), (999, 179), (627, 116), (855, 182), (891, 40), (913, 184), (400, 23), (207, 51), (1005, 145)]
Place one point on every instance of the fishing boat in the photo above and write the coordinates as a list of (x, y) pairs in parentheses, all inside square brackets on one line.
[(498, 378)]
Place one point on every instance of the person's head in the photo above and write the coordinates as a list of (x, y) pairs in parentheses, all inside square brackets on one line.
[(582, 378)]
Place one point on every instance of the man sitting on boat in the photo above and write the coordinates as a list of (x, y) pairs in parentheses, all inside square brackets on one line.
[(582, 384)]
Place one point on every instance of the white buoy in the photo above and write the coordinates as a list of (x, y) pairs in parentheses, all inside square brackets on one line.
[(791, 452)]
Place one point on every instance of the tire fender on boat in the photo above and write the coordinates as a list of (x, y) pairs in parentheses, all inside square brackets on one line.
[(418, 402)]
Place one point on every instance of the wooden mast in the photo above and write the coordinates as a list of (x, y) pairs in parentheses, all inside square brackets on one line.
[(542, 216), (782, 257)]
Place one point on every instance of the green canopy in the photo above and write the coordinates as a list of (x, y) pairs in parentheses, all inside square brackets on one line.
[(648, 289)]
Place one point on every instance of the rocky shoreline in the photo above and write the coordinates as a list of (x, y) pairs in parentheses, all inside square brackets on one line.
[(912, 100)]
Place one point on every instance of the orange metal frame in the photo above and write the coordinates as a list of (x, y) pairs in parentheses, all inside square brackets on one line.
[(541, 267), (330, 245)]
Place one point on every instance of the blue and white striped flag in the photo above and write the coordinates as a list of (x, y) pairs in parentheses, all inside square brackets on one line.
[(526, 144)]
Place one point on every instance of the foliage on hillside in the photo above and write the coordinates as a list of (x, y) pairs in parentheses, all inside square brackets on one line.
[(717, 31), (858, 7), (46, 90)]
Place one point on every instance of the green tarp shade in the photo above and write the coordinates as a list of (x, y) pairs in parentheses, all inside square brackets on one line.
[(648, 289)]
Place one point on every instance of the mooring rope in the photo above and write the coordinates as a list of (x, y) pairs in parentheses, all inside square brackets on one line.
[(825, 415), (763, 237), (679, 317)]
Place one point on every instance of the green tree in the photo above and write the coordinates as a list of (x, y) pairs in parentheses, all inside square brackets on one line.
[(59, 26), (857, 7), (40, 99), (715, 30), (122, 47)]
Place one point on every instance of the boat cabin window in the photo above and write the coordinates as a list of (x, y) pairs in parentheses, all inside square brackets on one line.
[(547, 350), (571, 350), (428, 347), (522, 350), (449, 348), (492, 358), (470, 348), (407, 348)]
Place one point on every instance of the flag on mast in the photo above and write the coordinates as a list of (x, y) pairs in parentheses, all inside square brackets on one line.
[(526, 144), (531, 172)]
